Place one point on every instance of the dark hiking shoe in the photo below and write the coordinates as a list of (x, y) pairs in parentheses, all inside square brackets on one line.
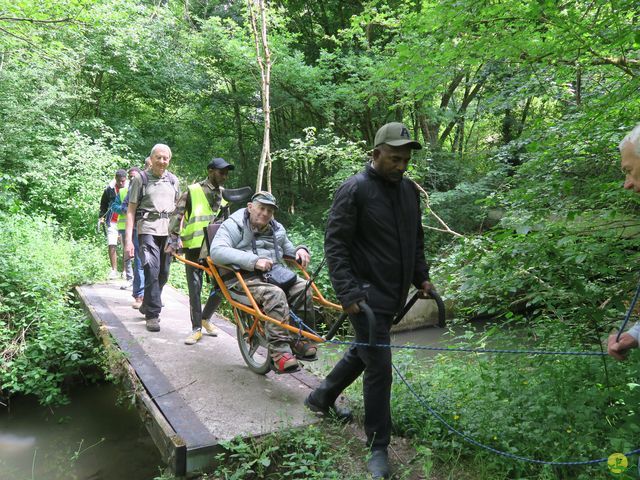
[(153, 324), (378, 463), (142, 309), (304, 350), (341, 414)]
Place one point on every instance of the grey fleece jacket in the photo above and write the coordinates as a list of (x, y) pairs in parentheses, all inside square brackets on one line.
[(232, 244)]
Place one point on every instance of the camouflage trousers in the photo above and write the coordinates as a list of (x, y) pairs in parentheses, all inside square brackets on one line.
[(275, 303)]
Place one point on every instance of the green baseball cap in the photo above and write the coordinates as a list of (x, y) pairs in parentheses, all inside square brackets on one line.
[(395, 134), (264, 197)]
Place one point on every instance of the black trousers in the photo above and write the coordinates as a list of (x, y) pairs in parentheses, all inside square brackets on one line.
[(376, 365), (156, 263), (194, 284)]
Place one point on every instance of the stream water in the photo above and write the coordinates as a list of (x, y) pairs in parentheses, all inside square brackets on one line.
[(92, 438)]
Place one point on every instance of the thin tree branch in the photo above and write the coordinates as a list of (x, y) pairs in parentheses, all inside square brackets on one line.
[(445, 228), (27, 41), (33, 20)]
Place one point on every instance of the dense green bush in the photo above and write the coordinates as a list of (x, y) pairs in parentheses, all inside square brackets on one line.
[(44, 336), (319, 163), (552, 408), (578, 269)]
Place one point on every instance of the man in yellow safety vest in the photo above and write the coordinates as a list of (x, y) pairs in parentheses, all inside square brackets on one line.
[(200, 205)]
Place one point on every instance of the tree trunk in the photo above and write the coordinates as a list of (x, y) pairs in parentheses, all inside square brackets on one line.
[(578, 86), (264, 62)]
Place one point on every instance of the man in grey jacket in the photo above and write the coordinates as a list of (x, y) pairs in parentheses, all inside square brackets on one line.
[(250, 240)]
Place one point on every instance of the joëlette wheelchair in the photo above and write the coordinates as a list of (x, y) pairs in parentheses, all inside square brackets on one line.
[(249, 317)]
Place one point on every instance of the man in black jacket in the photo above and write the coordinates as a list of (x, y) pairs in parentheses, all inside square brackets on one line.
[(374, 246)]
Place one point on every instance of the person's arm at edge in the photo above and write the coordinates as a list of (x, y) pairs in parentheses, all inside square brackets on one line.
[(134, 190), (128, 231), (177, 220), (628, 340), (104, 203)]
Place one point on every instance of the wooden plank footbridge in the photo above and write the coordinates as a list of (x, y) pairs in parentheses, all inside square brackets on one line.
[(192, 397)]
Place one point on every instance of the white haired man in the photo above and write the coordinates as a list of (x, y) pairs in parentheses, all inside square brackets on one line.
[(630, 164), (152, 199), (251, 240)]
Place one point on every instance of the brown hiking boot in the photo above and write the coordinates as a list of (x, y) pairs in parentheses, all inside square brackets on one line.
[(153, 324), (137, 303), (304, 350)]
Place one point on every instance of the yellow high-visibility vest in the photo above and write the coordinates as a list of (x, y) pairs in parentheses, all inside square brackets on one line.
[(192, 233), (122, 217)]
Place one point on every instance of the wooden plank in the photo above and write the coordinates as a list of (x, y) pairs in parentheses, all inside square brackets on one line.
[(172, 447)]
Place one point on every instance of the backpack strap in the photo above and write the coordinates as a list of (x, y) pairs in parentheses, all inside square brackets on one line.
[(143, 190), (141, 213), (173, 180)]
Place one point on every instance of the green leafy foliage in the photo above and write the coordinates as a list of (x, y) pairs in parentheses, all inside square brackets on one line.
[(44, 337), (540, 407), (519, 105), (309, 453), (319, 163)]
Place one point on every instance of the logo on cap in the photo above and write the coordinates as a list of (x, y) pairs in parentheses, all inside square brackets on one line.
[(405, 133)]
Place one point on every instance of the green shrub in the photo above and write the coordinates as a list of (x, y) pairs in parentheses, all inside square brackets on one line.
[(548, 408), (311, 453), (44, 336)]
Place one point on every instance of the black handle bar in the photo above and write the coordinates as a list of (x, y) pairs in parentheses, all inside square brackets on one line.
[(439, 303), (371, 320)]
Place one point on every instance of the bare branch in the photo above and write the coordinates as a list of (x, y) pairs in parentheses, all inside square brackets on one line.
[(445, 228), (33, 20)]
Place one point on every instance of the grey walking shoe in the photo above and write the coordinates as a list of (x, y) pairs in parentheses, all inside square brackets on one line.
[(153, 324)]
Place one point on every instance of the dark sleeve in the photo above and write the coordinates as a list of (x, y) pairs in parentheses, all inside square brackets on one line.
[(183, 205), (104, 202), (420, 267), (339, 235)]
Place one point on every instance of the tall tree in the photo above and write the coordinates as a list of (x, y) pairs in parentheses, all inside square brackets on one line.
[(263, 56)]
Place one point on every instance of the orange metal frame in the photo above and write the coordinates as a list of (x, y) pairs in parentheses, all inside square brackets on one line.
[(254, 310)]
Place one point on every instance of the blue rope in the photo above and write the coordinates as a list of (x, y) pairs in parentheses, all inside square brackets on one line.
[(439, 417), (301, 325), (471, 350), (471, 440)]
